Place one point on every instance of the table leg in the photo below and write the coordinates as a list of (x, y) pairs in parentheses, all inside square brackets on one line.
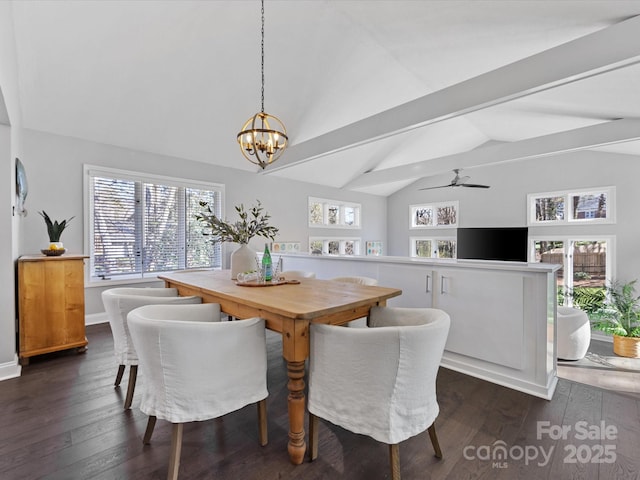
[(297, 446)]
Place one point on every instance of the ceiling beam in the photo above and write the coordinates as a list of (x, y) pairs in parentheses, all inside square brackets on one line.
[(616, 131), (599, 52)]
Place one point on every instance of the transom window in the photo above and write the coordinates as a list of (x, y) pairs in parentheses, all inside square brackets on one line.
[(334, 246), (432, 247), (139, 225), (575, 206), (434, 215), (333, 213)]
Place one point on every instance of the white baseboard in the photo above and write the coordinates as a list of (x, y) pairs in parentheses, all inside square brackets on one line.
[(14, 369), (10, 369), (96, 318)]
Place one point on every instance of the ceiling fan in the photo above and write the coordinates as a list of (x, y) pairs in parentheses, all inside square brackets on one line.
[(458, 181)]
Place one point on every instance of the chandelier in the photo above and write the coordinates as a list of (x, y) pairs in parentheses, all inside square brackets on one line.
[(263, 137)]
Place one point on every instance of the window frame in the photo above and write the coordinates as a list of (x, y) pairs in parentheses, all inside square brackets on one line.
[(90, 171), (567, 254), (434, 207), (342, 205), (567, 195), (325, 245), (433, 239)]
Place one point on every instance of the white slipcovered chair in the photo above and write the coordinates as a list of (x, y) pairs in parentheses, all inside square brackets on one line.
[(184, 359), (359, 280), (297, 274), (574, 333), (118, 302), (378, 381)]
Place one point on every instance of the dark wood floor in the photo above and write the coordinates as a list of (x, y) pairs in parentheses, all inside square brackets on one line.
[(63, 419)]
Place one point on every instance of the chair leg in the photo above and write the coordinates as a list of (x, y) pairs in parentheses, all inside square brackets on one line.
[(176, 448), (313, 436), (119, 375), (151, 423), (262, 422), (394, 458), (434, 440), (133, 373)]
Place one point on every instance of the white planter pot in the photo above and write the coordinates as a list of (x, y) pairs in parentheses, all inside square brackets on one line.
[(242, 260)]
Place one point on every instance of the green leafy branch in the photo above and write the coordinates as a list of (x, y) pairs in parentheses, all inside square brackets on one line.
[(252, 223), (621, 314)]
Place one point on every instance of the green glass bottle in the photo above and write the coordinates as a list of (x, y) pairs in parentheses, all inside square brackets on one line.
[(267, 266)]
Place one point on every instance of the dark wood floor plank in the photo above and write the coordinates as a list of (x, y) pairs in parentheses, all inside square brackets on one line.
[(622, 413), (63, 419)]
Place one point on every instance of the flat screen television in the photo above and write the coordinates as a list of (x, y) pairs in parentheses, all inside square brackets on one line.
[(508, 244)]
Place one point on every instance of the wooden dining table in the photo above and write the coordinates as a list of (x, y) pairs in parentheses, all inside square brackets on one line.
[(288, 309)]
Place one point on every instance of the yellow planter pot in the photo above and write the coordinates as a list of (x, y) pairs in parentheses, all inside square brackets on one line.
[(626, 346)]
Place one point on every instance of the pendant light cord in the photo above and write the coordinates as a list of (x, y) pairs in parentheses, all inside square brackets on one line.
[(262, 57)]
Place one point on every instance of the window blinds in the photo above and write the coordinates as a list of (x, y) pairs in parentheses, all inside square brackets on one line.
[(143, 227)]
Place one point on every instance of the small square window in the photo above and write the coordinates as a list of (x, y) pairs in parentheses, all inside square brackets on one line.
[(586, 206), (315, 214), (349, 247), (315, 247), (446, 249), (549, 209), (349, 216), (333, 215), (423, 248)]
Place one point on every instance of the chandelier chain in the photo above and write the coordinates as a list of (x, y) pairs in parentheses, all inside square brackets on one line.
[(262, 56), (263, 137)]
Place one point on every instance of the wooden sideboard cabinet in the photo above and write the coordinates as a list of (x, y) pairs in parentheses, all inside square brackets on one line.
[(50, 305)]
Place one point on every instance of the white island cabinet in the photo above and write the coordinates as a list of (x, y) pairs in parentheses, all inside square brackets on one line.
[(503, 314)]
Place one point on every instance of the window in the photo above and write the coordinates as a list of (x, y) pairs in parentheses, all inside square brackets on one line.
[(434, 215), (333, 213), (139, 225), (334, 246), (587, 264), (432, 247), (572, 207)]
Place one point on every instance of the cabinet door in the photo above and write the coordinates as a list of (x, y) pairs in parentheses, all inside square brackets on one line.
[(416, 284), (51, 305), (487, 314)]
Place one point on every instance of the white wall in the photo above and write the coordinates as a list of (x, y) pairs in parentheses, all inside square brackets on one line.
[(8, 365), (504, 204), (9, 224), (55, 168)]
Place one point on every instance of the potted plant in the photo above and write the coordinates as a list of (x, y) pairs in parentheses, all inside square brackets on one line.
[(252, 223), (54, 229), (620, 317)]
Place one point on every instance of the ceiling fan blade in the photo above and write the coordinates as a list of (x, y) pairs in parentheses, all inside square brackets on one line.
[(458, 181), (439, 186)]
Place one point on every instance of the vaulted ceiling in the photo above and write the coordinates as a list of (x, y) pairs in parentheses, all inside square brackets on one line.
[(375, 95)]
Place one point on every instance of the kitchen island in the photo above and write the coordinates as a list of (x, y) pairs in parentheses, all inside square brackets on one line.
[(503, 314)]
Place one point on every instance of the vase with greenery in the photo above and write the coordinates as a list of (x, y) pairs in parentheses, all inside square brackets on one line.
[(54, 229), (252, 223), (620, 317)]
